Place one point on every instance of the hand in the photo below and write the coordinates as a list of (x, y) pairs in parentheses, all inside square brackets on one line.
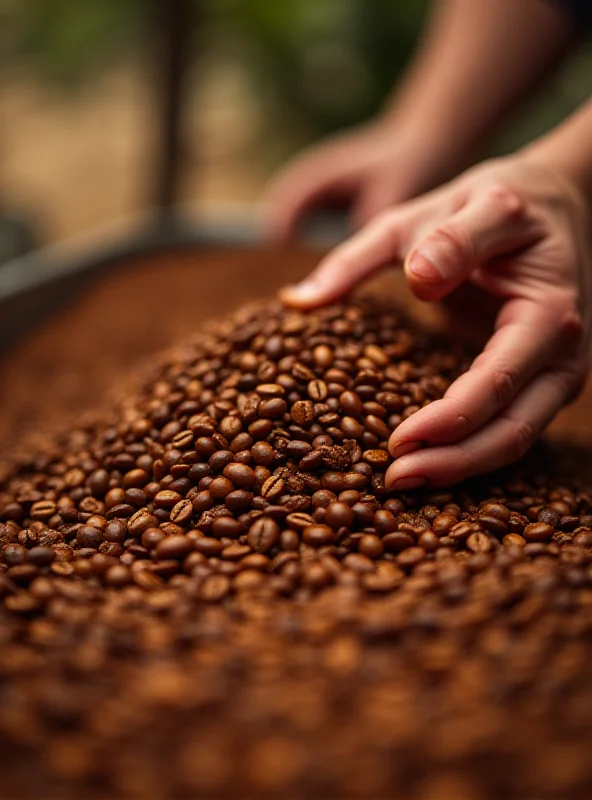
[(368, 169), (519, 231)]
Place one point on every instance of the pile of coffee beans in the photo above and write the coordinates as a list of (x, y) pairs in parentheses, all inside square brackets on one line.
[(209, 592)]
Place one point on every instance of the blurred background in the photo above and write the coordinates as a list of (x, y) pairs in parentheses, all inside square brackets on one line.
[(89, 132)]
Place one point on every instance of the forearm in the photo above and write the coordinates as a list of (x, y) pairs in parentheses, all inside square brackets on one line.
[(568, 148), (476, 61)]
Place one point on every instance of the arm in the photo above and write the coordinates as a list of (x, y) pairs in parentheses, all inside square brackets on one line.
[(477, 59), (476, 62), (568, 149)]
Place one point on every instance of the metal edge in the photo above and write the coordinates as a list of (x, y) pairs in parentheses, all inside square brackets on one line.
[(35, 287)]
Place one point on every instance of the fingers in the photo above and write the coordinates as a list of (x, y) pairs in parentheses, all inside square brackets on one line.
[(502, 441), (373, 247), (487, 225), (518, 350), (302, 185), (377, 196)]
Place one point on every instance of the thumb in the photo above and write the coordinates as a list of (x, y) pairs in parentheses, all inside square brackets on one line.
[(488, 225)]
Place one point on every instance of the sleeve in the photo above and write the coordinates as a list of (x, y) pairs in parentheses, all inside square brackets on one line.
[(580, 10)]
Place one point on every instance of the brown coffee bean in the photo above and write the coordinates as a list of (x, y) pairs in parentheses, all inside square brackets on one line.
[(479, 543), (220, 487), (318, 535), (410, 557), (513, 539), (40, 556), (378, 459), (358, 562), (317, 390), (273, 408), (351, 403), (339, 515), (14, 554), (263, 454), (89, 537), (272, 487), (215, 588), (371, 546), (302, 412), (182, 512), (43, 509), (167, 499), (174, 547), (138, 523), (263, 534), (241, 475), (538, 532)]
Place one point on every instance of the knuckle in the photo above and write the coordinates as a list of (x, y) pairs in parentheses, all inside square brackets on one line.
[(506, 199), (455, 243), (505, 384), (467, 465), (383, 221), (521, 435)]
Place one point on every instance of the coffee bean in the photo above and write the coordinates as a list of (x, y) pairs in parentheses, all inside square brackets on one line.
[(537, 532), (241, 475), (215, 588), (263, 534), (43, 509), (137, 524), (176, 547), (181, 512), (302, 412), (317, 390), (318, 535), (272, 487), (339, 515)]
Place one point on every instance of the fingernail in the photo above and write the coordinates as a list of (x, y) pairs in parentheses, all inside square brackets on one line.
[(298, 291), (424, 269), (403, 448), (412, 482)]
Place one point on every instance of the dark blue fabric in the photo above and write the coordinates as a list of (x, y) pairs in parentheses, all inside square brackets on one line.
[(581, 10)]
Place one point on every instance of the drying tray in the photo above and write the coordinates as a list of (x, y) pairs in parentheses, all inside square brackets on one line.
[(36, 286)]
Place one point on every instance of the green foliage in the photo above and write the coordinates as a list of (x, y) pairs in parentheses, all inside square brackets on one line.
[(66, 41)]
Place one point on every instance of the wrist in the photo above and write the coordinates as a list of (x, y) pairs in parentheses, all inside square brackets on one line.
[(410, 132), (567, 151)]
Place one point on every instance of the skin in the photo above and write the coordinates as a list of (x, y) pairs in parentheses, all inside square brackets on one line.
[(424, 135), (517, 228)]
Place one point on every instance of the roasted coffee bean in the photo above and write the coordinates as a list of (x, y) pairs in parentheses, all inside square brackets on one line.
[(272, 487), (241, 475), (317, 390), (538, 532), (213, 578), (339, 515), (318, 535), (263, 534), (89, 537), (176, 547), (302, 412)]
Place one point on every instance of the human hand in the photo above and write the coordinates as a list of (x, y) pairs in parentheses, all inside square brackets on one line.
[(519, 231), (367, 169)]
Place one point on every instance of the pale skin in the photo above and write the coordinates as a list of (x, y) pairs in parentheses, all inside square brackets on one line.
[(517, 227)]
